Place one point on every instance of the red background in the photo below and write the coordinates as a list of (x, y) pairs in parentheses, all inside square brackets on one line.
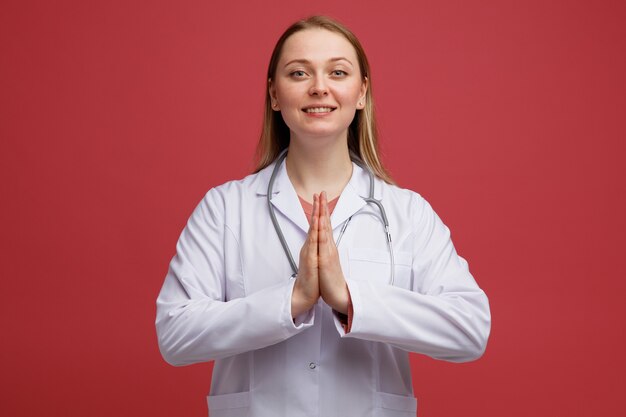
[(117, 116)]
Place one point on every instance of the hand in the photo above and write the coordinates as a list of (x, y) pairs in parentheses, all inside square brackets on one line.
[(332, 284), (306, 289)]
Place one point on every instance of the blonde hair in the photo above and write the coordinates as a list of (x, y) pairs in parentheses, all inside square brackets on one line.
[(362, 132)]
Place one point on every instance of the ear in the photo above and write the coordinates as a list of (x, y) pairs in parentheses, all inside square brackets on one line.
[(272, 93), (362, 94)]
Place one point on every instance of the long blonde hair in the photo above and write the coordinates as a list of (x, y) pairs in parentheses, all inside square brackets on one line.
[(362, 132)]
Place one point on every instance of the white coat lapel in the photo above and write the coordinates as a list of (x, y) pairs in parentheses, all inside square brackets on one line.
[(353, 196), (349, 202), (284, 198)]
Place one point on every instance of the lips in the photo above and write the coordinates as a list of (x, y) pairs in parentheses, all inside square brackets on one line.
[(318, 109)]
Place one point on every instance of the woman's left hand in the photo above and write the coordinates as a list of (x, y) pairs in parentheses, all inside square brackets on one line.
[(333, 287)]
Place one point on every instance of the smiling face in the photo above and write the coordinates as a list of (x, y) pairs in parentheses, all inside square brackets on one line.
[(318, 85)]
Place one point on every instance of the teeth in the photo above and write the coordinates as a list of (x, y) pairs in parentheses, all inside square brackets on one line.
[(318, 110)]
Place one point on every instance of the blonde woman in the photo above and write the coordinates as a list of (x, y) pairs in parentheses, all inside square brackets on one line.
[(309, 281)]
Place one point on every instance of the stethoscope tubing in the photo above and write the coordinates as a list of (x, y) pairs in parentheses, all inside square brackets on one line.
[(369, 199)]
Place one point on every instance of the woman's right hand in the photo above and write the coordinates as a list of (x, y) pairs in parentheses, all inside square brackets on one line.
[(307, 289)]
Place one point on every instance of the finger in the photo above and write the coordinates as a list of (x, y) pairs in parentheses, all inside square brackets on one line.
[(324, 209), (311, 222), (327, 214), (331, 248), (327, 226), (322, 225), (315, 220), (314, 215), (315, 211)]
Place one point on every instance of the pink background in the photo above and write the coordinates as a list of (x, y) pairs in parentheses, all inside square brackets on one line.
[(117, 117)]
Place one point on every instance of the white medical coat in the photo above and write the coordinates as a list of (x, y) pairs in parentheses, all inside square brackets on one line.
[(227, 297)]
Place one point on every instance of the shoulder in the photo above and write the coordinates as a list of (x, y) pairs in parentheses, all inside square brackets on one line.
[(399, 194), (234, 195), (233, 189), (407, 203), (236, 187)]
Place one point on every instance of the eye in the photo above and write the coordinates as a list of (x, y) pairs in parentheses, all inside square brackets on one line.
[(297, 74), (339, 73)]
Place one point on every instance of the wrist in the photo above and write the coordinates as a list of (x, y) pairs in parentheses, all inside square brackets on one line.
[(300, 302), (339, 299)]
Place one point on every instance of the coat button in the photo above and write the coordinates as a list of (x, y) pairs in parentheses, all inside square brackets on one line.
[(312, 365)]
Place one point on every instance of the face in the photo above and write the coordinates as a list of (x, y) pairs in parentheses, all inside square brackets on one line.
[(318, 85)]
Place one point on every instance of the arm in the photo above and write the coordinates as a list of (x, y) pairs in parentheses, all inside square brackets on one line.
[(445, 315), (194, 321)]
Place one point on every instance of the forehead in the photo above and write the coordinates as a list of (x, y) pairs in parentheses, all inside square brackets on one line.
[(317, 45)]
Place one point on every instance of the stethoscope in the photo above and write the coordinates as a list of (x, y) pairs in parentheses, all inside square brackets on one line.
[(369, 199)]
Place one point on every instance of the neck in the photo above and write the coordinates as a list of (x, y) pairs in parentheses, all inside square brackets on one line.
[(316, 169)]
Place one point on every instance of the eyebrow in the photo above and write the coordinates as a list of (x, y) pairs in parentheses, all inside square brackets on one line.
[(306, 61)]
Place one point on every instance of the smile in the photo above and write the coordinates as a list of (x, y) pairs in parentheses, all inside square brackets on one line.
[(318, 109)]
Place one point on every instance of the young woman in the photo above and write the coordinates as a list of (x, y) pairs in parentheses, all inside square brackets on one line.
[(376, 274)]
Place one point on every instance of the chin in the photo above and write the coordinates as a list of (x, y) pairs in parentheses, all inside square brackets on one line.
[(322, 136)]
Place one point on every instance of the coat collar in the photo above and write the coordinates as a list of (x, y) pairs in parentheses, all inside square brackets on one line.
[(285, 198)]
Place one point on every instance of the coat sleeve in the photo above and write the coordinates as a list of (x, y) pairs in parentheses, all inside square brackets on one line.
[(195, 322), (444, 315)]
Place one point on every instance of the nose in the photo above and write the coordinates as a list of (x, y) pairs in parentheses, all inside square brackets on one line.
[(318, 87)]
